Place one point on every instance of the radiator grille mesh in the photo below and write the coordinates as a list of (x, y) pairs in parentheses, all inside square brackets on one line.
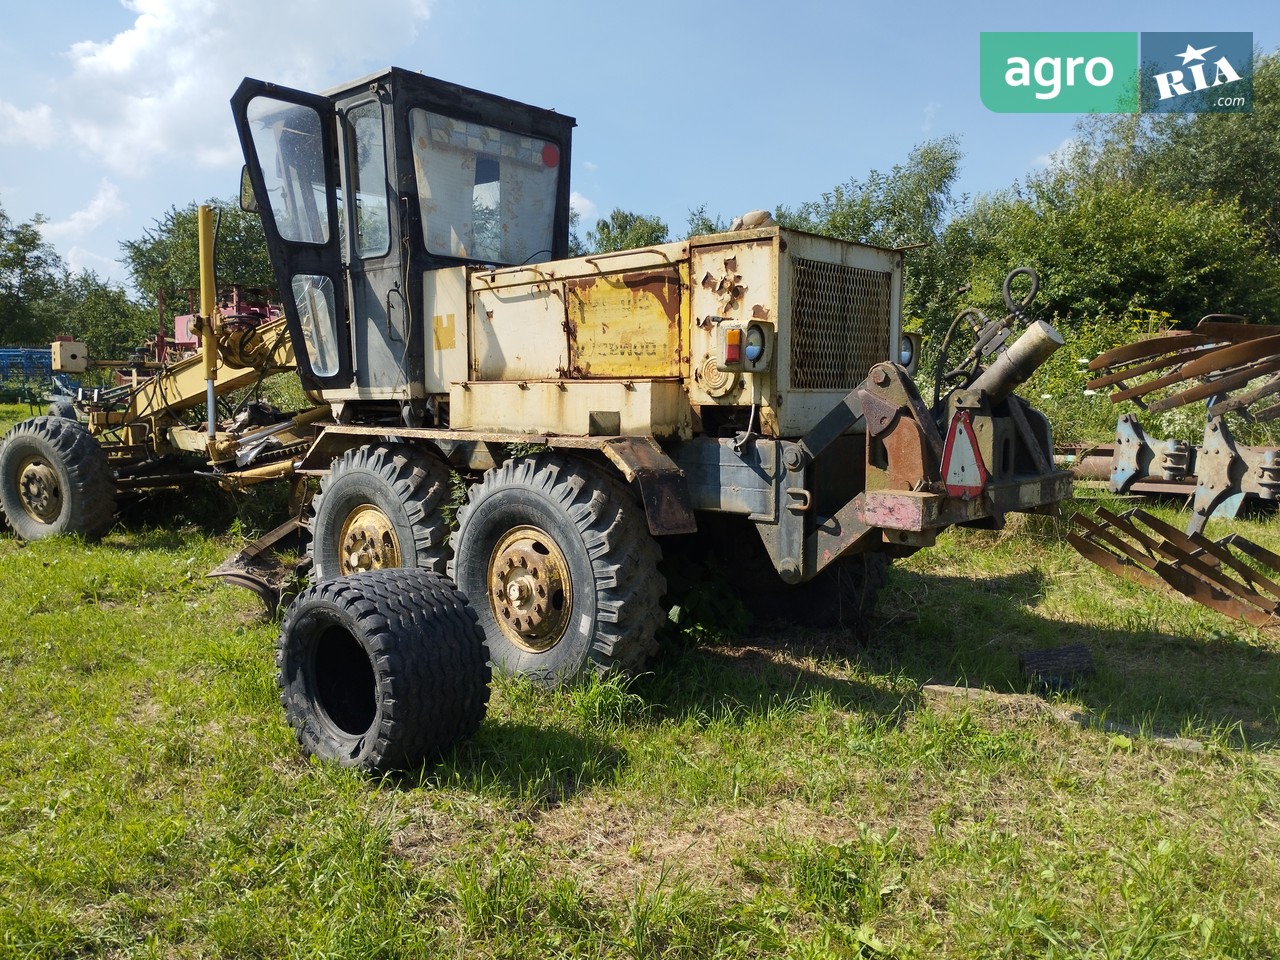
[(840, 324)]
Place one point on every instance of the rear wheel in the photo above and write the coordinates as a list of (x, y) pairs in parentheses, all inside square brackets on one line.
[(55, 479), (560, 566), (842, 597), (383, 670), (63, 408), (380, 508)]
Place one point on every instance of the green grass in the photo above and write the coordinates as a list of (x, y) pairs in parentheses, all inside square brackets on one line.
[(788, 794)]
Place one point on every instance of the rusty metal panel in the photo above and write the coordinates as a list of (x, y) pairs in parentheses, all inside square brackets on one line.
[(625, 324), (734, 283), (572, 407), (663, 486)]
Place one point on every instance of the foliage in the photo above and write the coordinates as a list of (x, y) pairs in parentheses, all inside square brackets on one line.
[(1229, 156), (623, 230), (1058, 388), (165, 260), (102, 316), (701, 223), (765, 800), (30, 270), (577, 246), (908, 206), (1104, 247)]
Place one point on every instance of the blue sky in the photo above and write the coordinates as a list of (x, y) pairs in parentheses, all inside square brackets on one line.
[(112, 111)]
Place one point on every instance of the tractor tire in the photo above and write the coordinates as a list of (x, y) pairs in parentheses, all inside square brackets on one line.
[(380, 508), (64, 409), (55, 479), (383, 670), (841, 597), (558, 561)]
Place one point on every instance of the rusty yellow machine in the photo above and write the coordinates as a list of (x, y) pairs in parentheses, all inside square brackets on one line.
[(751, 388), (63, 473)]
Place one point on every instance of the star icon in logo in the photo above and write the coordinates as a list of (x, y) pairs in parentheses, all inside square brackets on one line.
[(1191, 53)]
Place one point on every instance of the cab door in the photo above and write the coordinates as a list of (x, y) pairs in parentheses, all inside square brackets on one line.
[(289, 143), (384, 348)]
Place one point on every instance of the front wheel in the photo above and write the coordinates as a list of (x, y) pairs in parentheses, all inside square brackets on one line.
[(55, 479), (383, 670), (559, 563), (380, 507)]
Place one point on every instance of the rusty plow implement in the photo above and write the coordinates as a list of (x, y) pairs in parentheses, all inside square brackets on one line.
[(1233, 371), (1233, 576)]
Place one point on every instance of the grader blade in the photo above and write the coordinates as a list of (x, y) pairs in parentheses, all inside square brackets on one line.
[(1207, 571)]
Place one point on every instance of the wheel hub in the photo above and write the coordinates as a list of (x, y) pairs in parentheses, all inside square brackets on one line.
[(368, 541), (40, 491), (530, 589)]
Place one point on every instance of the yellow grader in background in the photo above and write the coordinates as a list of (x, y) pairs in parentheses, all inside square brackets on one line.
[(64, 473), (749, 390)]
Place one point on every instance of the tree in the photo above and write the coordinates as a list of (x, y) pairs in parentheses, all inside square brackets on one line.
[(908, 206), (701, 223), (96, 313), (165, 259), (624, 230), (1105, 247), (1229, 156), (30, 270)]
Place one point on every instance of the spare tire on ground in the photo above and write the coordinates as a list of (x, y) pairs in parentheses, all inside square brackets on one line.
[(382, 670)]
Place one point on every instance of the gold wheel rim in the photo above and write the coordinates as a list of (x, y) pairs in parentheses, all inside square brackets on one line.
[(40, 491), (530, 590), (368, 541)]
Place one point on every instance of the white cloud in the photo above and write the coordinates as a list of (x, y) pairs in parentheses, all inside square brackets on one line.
[(930, 115), (79, 260), (157, 92), (583, 207), (34, 126), (1057, 154), (104, 206)]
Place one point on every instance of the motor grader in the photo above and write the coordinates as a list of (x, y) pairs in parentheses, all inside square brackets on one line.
[(749, 391), (64, 473)]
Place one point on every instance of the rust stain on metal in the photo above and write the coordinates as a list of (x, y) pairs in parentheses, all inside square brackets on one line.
[(662, 287), (625, 324), (728, 288), (759, 312)]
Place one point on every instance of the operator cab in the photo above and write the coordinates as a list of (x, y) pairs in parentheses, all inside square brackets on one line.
[(365, 189)]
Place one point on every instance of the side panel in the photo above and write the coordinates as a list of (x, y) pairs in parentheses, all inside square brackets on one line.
[(518, 332), (583, 408), (731, 283), (444, 297), (625, 324)]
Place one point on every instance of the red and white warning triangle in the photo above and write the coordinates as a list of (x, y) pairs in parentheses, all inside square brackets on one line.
[(963, 472)]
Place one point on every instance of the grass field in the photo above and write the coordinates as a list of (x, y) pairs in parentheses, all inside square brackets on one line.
[(777, 794)]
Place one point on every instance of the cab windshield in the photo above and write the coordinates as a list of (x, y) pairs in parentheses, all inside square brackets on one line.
[(486, 194)]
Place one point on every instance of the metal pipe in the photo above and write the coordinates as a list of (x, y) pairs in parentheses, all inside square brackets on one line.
[(1017, 363), (208, 306)]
